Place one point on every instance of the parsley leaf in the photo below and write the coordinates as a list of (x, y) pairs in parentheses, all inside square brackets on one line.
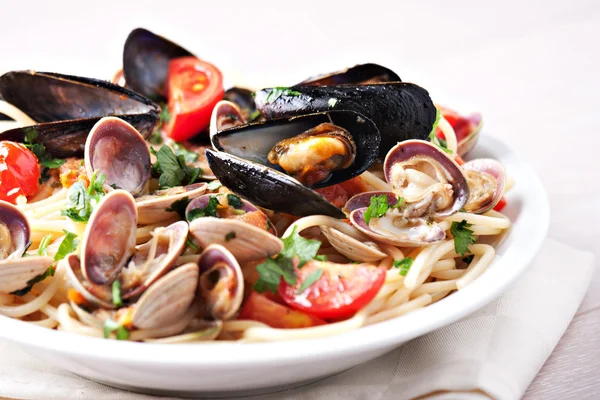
[(468, 259), (463, 236), (435, 124), (214, 185), (404, 265), (209, 211), (253, 116), (156, 137), (111, 326), (230, 236), (191, 244), (33, 281), (39, 150), (234, 201), (43, 247), (171, 169), (165, 116), (179, 206), (81, 201), (272, 270), (180, 150), (277, 92), (68, 245), (310, 280), (321, 257), (116, 293), (377, 208)]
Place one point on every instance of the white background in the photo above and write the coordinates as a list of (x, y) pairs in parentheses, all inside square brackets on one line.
[(531, 67)]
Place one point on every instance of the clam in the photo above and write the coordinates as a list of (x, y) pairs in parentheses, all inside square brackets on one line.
[(109, 238), (67, 107), (268, 188), (361, 74), (400, 111), (17, 271), (168, 299), (244, 100), (221, 282), (161, 204), (243, 228), (146, 59), (117, 150), (96, 295), (431, 182), (394, 227), (356, 250), (153, 259), (319, 149), (486, 179), (225, 115)]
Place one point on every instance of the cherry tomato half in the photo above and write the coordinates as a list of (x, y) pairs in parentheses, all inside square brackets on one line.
[(194, 88), (501, 204), (339, 293), (19, 172), (260, 308), (340, 193)]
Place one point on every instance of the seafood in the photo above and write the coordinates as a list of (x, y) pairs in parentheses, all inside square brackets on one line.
[(486, 179), (244, 99), (362, 74)]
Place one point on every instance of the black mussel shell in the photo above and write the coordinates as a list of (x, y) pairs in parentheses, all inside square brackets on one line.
[(244, 99), (254, 141), (146, 59), (67, 107), (401, 111), (357, 75), (268, 188)]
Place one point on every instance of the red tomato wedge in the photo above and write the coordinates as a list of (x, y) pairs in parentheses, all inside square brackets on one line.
[(462, 126), (501, 204), (339, 293), (260, 308), (194, 88), (19, 172), (340, 193)]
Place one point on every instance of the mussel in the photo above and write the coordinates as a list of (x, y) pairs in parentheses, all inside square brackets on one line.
[(319, 149), (361, 74), (244, 99), (400, 111), (146, 59)]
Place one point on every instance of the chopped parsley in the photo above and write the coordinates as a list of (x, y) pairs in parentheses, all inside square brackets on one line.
[(332, 102), (209, 211), (165, 116), (116, 293), (33, 281), (111, 326), (230, 236), (253, 116), (191, 244), (43, 247), (321, 257), (277, 92), (188, 156), (441, 143), (404, 265), (272, 270), (379, 206), (31, 135), (68, 245), (269, 224), (81, 201), (214, 185), (463, 237), (234, 201), (310, 280), (468, 259), (179, 206), (172, 170)]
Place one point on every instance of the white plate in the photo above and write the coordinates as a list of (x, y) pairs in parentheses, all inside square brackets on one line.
[(227, 367)]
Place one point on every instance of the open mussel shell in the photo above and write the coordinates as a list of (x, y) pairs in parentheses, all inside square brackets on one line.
[(146, 59), (254, 141), (160, 205), (14, 231), (432, 167), (171, 242), (221, 282), (109, 238), (117, 150), (67, 107), (400, 111), (486, 178), (97, 295), (244, 99), (225, 115), (167, 299), (358, 75), (268, 188)]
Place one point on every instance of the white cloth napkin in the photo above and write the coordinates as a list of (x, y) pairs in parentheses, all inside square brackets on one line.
[(494, 353)]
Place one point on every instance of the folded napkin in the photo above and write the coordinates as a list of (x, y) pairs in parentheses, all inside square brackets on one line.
[(494, 353)]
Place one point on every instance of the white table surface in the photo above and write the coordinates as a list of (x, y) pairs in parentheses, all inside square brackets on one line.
[(532, 67)]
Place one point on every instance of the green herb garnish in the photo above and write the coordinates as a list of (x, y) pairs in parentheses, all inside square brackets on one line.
[(116, 293), (379, 206), (463, 236), (81, 201), (172, 170), (277, 92), (234, 201), (111, 326), (180, 150), (68, 245), (214, 185), (179, 206), (321, 257), (33, 281), (404, 265), (230, 236), (190, 243), (332, 102), (43, 248), (441, 143), (39, 150), (468, 259), (209, 211), (253, 116), (310, 280)]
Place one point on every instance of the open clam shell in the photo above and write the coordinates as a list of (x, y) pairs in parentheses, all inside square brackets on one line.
[(67, 107), (146, 59), (268, 188), (97, 295), (159, 206), (15, 274), (14, 231), (254, 142), (225, 115), (400, 111), (357, 75), (109, 238), (420, 172), (486, 178), (167, 299), (353, 249), (153, 260), (116, 149), (221, 282)]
